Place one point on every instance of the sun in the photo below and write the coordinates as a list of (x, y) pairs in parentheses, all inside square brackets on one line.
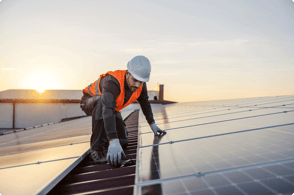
[(41, 81), (40, 90)]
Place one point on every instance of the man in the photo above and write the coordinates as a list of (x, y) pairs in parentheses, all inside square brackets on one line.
[(104, 99)]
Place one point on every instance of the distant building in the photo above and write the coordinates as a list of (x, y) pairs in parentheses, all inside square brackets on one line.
[(34, 94), (22, 108), (28, 108), (153, 95)]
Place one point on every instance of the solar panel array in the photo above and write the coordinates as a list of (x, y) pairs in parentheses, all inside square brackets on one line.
[(242, 146), (33, 161)]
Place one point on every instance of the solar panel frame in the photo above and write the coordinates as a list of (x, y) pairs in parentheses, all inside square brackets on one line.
[(280, 133)]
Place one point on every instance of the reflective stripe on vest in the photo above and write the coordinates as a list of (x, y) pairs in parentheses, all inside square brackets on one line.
[(92, 89), (96, 87)]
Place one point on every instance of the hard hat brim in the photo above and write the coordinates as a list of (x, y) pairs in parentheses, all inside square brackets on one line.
[(139, 78)]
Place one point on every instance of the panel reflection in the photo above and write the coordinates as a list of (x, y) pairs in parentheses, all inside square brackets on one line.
[(154, 169)]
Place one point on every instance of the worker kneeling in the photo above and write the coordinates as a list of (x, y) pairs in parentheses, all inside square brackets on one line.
[(104, 99)]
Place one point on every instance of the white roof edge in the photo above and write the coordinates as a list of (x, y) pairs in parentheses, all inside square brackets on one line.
[(59, 177)]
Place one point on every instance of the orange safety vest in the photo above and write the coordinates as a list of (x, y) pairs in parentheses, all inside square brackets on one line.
[(94, 89)]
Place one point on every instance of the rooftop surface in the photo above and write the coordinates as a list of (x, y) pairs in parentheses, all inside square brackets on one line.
[(241, 146)]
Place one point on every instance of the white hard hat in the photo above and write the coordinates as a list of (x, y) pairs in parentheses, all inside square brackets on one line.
[(140, 68)]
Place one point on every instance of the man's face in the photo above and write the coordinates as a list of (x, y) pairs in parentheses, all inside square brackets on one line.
[(133, 83)]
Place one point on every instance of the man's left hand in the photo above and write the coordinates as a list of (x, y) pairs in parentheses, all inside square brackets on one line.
[(156, 130)]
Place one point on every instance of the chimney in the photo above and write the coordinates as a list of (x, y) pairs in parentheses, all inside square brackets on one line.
[(161, 92)]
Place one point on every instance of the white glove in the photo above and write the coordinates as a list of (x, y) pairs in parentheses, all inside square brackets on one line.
[(115, 153), (156, 130)]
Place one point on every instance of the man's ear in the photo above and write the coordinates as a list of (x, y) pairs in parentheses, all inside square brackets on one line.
[(127, 73)]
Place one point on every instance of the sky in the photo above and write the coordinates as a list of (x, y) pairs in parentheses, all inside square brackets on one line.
[(200, 50)]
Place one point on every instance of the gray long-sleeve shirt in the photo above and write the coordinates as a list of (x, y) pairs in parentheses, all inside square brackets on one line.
[(110, 89)]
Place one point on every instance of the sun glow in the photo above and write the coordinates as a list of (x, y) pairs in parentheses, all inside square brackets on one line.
[(41, 81)]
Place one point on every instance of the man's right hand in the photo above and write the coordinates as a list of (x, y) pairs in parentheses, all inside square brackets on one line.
[(115, 153), (156, 130)]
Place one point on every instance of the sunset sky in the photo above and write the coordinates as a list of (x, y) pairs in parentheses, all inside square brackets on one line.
[(199, 49)]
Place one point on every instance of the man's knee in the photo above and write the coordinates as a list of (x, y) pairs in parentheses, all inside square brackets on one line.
[(88, 104)]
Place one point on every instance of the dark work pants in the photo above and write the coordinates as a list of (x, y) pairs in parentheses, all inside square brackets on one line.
[(99, 139)]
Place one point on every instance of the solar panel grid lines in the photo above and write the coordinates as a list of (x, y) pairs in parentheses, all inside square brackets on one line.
[(242, 102), (22, 173), (45, 144), (46, 154), (81, 126), (247, 119), (192, 111), (216, 115), (287, 163), (213, 117), (252, 104), (222, 127), (187, 117), (50, 151), (173, 112), (213, 135), (45, 137), (245, 109), (22, 180), (246, 154), (179, 139), (216, 161), (39, 162), (264, 145), (233, 177)]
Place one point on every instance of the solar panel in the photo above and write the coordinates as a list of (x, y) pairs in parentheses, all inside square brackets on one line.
[(212, 130), (219, 150), (44, 144), (50, 132), (32, 178), (36, 159), (215, 153), (43, 155), (248, 116), (253, 181)]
